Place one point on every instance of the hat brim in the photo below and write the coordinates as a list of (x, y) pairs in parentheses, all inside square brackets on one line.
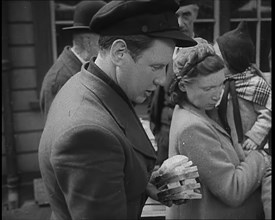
[(76, 28), (181, 40)]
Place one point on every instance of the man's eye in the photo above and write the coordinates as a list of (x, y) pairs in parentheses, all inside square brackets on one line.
[(156, 68), (207, 88)]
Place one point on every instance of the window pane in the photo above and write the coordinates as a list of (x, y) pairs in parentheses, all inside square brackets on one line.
[(204, 30), (265, 45), (206, 9), (243, 9), (64, 10), (266, 9)]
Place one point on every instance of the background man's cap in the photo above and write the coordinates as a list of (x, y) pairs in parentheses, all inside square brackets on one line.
[(83, 14), (155, 18), (237, 48)]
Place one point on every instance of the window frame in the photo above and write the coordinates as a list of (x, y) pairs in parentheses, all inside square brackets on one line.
[(221, 23)]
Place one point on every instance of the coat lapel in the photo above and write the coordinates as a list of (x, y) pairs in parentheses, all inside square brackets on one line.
[(124, 116), (73, 64)]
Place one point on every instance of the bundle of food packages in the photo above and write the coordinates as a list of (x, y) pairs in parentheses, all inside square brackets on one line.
[(176, 179)]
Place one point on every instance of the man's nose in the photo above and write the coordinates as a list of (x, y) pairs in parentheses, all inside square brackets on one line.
[(161, 79), (181, 22)]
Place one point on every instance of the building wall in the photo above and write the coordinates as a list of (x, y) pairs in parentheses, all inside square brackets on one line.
[(27, 122)]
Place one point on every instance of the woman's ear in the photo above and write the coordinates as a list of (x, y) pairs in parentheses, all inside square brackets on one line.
[(182, 87), (118, 51)]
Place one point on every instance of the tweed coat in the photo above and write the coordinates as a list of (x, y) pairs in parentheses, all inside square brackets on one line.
[(66, 65), (94, 155), (230, 185)]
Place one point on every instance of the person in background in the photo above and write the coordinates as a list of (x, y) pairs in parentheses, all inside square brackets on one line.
[(95, 158), (160, 107), (230, 183), (245, 108), (71, 59)]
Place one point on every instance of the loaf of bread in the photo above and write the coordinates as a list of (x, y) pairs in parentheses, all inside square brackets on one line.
[(173, 162), (176, 179)]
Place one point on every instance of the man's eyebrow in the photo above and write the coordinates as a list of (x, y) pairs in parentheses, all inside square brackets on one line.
[(183, 13), (158, 65)]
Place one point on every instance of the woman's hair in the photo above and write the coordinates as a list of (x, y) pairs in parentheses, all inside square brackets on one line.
[(209, 65), (135, 43)]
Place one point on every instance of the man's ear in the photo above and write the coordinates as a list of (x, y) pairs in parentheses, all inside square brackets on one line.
[(118, 51)]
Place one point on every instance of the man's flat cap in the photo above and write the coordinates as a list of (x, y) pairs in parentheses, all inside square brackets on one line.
[(155, 18)]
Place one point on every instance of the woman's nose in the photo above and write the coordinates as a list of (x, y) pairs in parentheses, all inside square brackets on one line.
[(215, 97), (217, 94)]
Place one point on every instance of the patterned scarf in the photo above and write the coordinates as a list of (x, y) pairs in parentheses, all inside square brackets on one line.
[(249, 85), (252, 87)]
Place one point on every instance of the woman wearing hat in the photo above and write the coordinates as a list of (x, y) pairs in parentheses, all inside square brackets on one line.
[(230, 184)]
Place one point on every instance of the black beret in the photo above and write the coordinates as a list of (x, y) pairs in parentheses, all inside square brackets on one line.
[(155, 18), (83, 14), (237, 48)]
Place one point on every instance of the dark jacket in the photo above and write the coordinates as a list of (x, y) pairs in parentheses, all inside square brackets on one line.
[(94, 155), (64, 68)]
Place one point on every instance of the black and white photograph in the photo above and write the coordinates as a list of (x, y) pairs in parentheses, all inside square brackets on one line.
[(136, 109)]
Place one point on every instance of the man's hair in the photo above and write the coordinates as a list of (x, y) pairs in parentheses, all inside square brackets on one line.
[(136, 44)]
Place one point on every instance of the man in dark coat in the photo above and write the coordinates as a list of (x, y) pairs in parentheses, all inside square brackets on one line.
[(95, 157), (71, 59)]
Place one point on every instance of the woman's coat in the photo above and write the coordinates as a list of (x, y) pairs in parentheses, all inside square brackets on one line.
[(230, 185)]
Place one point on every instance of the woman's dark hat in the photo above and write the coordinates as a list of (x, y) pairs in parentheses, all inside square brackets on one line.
[(237, 48), (155, 18), (83, 14)]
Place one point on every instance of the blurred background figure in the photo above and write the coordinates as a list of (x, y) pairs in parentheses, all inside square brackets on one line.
[(69, 62), (187, 14), (160, 107)]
